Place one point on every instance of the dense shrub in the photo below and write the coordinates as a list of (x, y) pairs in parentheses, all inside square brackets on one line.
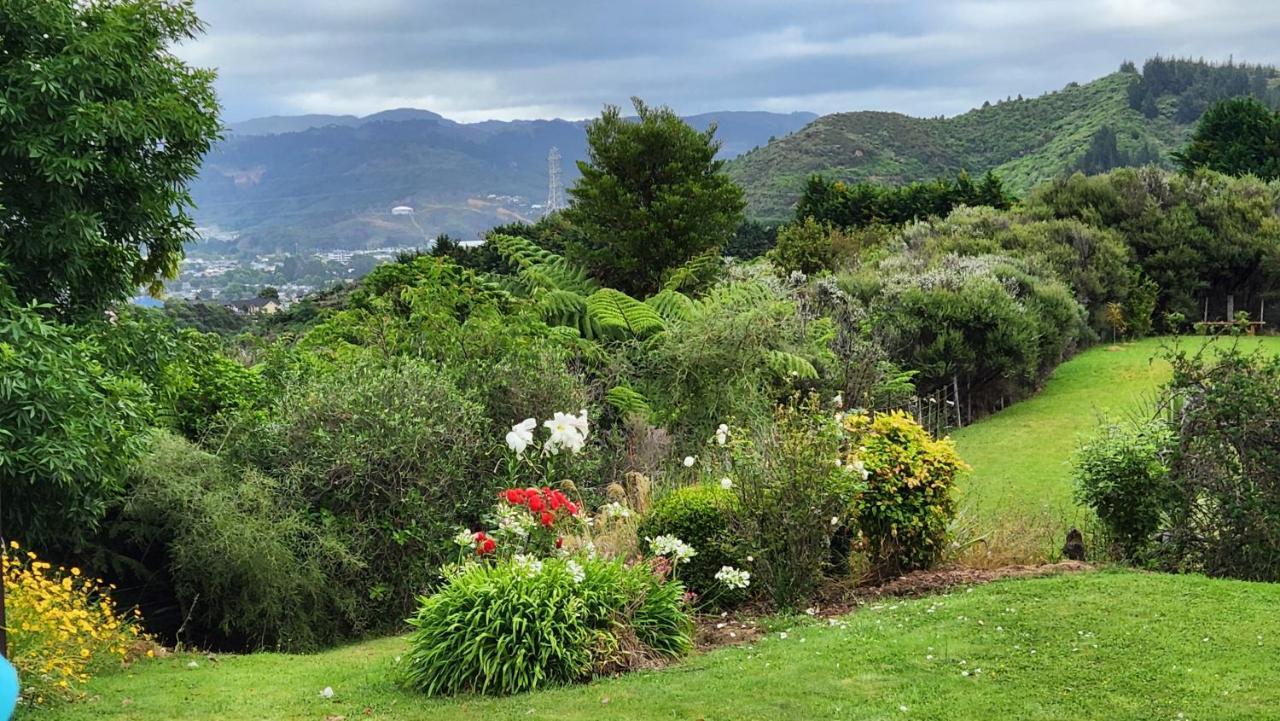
[(703, 516), (1122, 473), (1225, 519), (234, 555), (62, 626), (794, 497), (519, 625), (391, 455), (980, 325), (908, 502)]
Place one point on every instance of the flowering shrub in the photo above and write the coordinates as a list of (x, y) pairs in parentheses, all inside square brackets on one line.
[(909, 500), (63, 627), (794, 497), (521, 623), (701, 519)]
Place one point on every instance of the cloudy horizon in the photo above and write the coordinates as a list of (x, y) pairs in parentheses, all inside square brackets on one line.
[(487, 60)]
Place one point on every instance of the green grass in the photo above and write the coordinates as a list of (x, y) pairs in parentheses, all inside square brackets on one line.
[(1021, 457), (1111, 645)]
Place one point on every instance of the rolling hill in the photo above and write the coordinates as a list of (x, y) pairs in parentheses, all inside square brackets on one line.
[(1025, 141), (300, 183)]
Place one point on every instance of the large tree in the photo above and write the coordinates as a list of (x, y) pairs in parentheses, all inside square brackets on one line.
[(1240, 136), (651, 197), (101, 126)]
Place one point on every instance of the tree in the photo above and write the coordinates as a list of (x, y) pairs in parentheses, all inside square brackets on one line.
[(651, 197), (270, 292), (101, 126), (69, 429), (1240, 136)]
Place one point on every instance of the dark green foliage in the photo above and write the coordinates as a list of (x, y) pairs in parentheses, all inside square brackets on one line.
[(69, 429), (1197, 236), (652, 196), (389, 453), (1240, 136), (703, 516), (983, 326), (804, 246), (1122, 473), (1104, 154), (1196, 85), (751, 240), (863, 204), (506, 628), (205, 317), (101, 126), (233, 556)]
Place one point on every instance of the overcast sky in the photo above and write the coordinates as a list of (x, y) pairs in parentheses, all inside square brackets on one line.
[(478, 59)]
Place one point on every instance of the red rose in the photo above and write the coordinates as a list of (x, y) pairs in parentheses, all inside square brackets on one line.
[(515, 497), (557, 499), (535, 503), (548, 519), (486, 546), (559, 542), (479, 536)]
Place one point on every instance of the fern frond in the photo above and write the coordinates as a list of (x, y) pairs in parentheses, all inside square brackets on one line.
[(787, 366), (672, 305), (620, 316), (628, 400)]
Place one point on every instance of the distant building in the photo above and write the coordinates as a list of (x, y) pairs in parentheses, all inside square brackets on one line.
[(402, 210), (253, 306)]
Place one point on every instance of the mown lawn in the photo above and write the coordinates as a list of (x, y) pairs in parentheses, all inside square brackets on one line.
[(1108, 645), (1021, 457)]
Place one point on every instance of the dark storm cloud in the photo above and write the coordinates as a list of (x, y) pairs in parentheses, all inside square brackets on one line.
[(485, 59)]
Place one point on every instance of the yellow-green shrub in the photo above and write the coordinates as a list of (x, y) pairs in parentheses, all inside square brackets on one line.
[(909, 499), (63, 627)]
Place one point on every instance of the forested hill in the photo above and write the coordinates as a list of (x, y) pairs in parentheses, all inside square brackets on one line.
[(1125, 118), (329, 181)]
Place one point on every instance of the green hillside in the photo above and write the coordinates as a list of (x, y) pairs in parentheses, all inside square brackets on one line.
[(1024, 141)]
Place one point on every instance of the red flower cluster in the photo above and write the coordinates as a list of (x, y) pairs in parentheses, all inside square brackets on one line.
[(543, 503), (484, 544)]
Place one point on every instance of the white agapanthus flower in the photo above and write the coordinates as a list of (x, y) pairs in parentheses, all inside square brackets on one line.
[(529, 564), (838, 400), (521, 435), (514, 521), (616, 510), (679, 551), (464, 538), (566, 433), (689, 461), (722, 434), (726, 483), (575, 570), (733, 578)]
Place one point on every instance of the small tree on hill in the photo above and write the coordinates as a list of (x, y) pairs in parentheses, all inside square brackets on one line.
[(651, 197), (101, 126)]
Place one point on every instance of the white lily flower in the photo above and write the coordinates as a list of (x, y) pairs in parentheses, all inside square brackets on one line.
[(564, 433), (521, 435)]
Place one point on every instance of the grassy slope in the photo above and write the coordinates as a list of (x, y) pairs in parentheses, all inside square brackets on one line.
[(1021, 457), (1025, 142), (1115, 645)]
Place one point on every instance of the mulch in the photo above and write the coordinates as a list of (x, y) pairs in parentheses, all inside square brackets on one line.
[(839, 599)]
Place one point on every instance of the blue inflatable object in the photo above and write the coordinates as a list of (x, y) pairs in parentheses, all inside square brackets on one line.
[(8, 689)]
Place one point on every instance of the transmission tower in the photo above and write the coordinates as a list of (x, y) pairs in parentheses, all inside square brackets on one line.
[(555, 188)]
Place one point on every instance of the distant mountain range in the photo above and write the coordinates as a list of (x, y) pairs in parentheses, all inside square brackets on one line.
[(330, 181), (311, 182), (1130, 117)]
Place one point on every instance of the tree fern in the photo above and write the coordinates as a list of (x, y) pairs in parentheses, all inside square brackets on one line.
[(673, 305), (628, 400), (621, 316), (786, 365)]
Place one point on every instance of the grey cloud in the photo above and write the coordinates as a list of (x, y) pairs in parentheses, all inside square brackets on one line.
[(482, 59)]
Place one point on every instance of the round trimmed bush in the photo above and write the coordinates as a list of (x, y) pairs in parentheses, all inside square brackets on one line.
[(516, 625), (703, 517), (909, 500)]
